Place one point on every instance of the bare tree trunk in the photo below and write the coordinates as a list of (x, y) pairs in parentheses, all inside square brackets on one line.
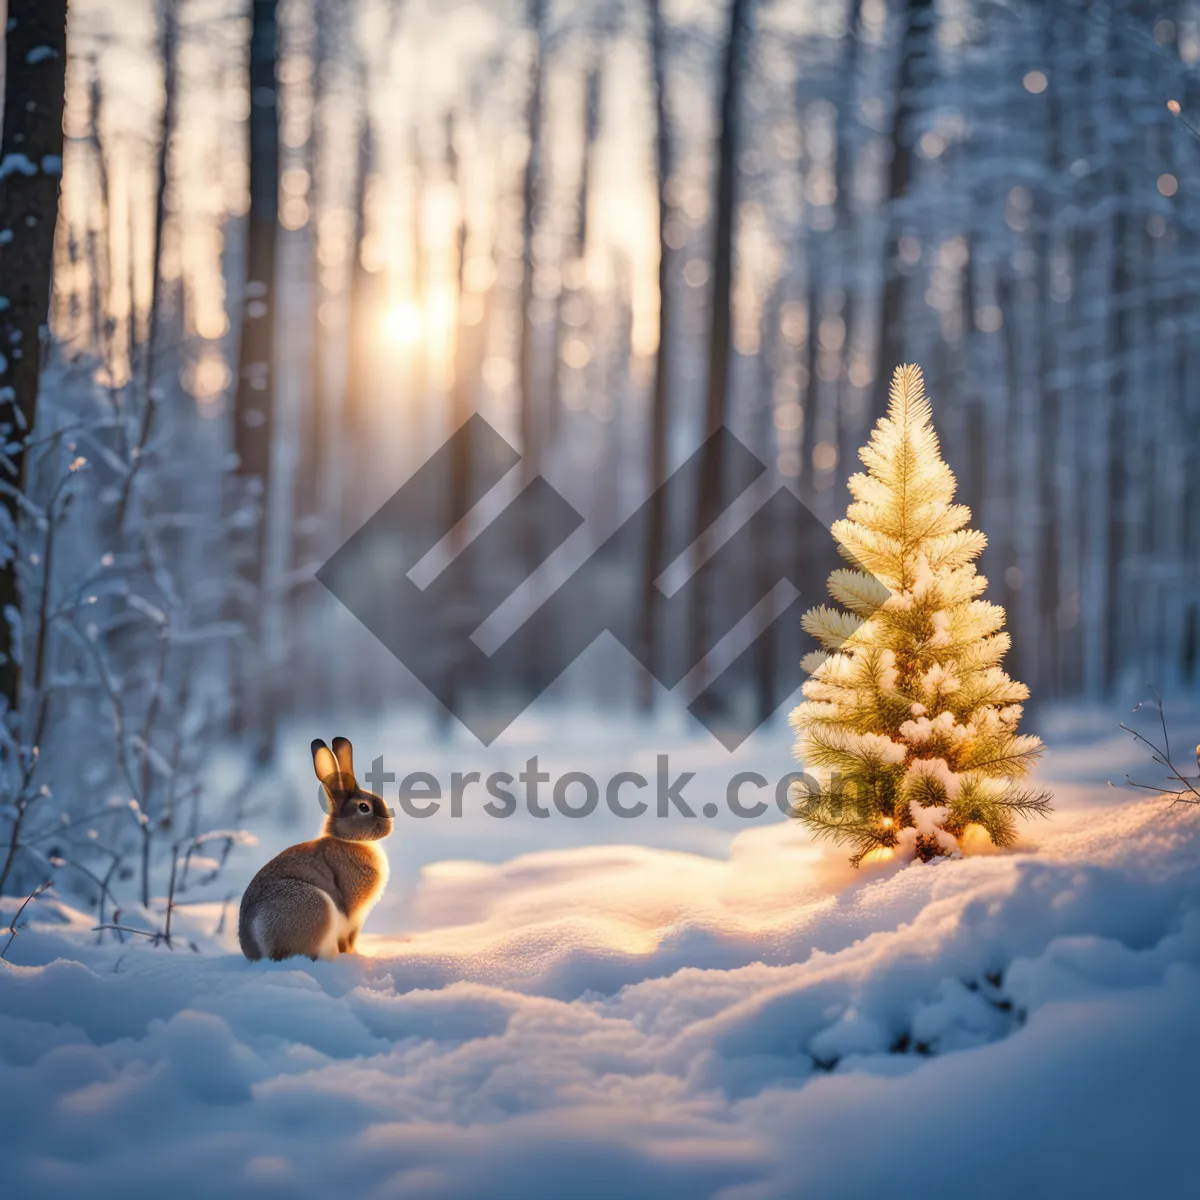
[(530, 412), (100, 264), (313, 451), (31, 149), (252, 436), (169, 48), (1049, 673), (653, 565), (355, 417), (536, 17), (1118, 422), (461, 610), (710, 501), (848, 70), (812, 385), (254, 404), (425, 429), (460, 392), (915, 47), (591, 128), (769, 540), (848, 431)]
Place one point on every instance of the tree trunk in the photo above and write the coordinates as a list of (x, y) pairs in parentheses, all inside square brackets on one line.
[(169, 47), (591, 130), (849, 430), (577, 253), (529, 413), (1048, 667), (31, 151), (529, 199), (459, 412), (98, 253), (253, 410), (314, 431), (355, 424), (653, 565), (252, 436), (812, 386), (710, 501), (918, 32), (1118, 432), (769, 540)]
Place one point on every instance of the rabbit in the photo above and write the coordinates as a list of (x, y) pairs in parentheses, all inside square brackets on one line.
[(313, 898)]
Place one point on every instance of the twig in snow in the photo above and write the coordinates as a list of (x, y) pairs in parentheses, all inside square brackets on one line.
[(156, 936), (1188, 793), (220, 929), (12, 927)]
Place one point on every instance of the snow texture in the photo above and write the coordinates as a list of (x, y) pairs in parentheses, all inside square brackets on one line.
[(615, 1020)]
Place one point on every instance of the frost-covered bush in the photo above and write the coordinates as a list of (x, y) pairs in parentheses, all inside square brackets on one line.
[(130, 601)]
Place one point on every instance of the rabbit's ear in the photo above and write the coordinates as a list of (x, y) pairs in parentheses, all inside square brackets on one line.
[(324, 763), (345, 756)]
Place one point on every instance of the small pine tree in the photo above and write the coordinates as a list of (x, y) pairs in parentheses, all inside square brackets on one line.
[(909, 724)]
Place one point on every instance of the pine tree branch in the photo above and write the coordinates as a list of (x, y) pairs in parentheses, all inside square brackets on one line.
[(1029, 804)]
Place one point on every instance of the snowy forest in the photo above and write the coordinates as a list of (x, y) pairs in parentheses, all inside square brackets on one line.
[(261, 259), (300, 243)]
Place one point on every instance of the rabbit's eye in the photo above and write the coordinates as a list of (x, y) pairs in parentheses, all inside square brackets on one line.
[(364, 807)]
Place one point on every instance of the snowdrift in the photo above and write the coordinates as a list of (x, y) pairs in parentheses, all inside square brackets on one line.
[(615, 1021)]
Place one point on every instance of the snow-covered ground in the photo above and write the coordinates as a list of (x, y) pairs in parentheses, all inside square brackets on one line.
[(653, 1007)]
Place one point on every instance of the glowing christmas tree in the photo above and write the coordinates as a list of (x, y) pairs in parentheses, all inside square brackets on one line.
[(909, 726)]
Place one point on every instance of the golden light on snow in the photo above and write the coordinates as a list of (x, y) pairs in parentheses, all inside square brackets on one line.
[(974, 841), (614, 900), (881, 854)]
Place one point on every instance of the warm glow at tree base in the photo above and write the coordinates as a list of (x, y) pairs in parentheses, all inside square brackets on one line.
[(908, 723)]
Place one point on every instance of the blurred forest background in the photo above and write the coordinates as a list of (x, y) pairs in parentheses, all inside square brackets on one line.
[(299, 242)]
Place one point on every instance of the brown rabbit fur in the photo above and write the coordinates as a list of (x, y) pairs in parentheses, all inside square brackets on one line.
[(313, 898)]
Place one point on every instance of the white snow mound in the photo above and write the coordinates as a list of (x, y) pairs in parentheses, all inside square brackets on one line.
[(616, 1021)]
